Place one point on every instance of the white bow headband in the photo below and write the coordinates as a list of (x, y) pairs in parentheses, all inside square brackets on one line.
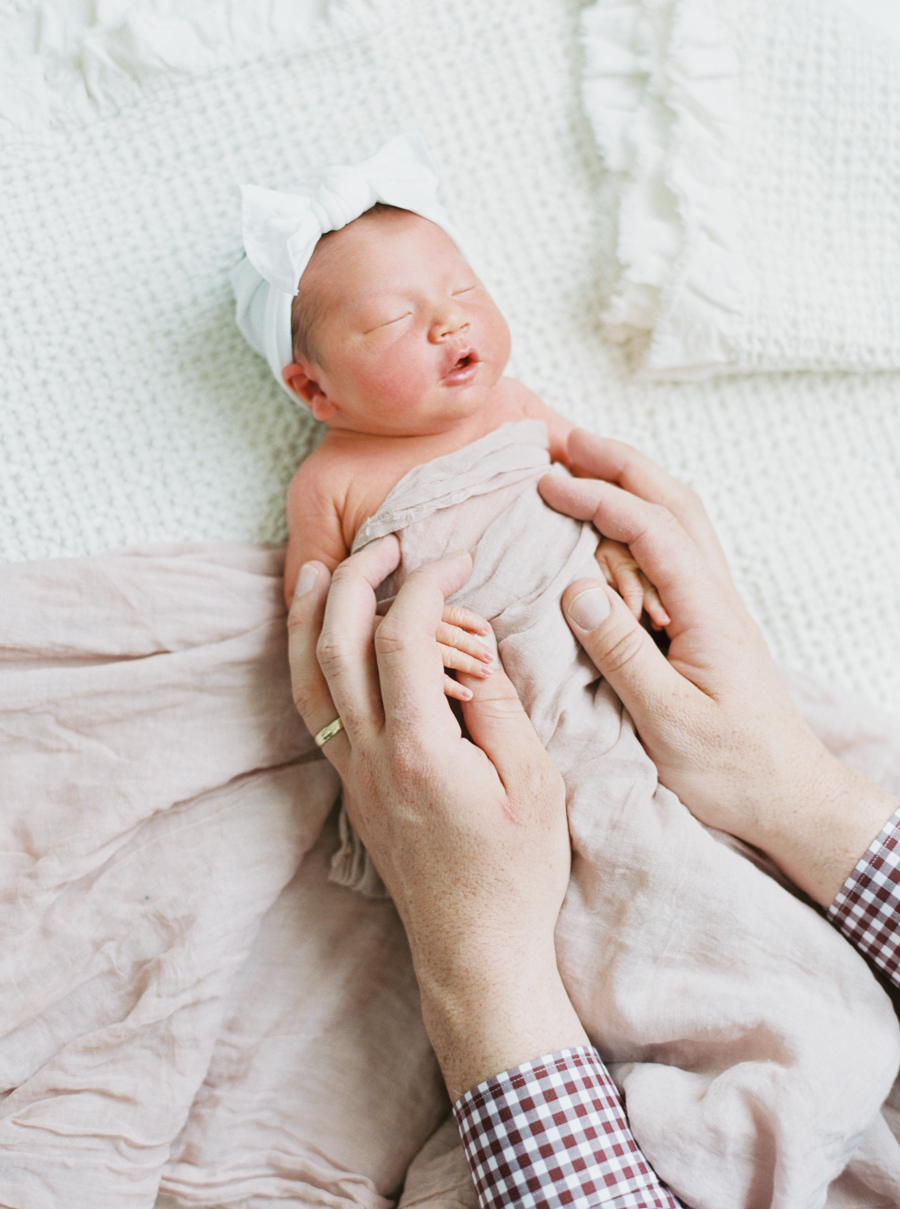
[(281, 231)]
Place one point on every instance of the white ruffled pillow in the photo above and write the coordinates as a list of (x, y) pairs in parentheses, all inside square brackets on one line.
[(756, 148)]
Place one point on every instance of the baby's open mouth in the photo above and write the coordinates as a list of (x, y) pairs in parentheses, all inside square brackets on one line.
[(462, 368)]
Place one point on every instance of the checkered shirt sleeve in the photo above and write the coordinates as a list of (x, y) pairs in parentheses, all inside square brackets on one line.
[(552, 1133), (867, 908)]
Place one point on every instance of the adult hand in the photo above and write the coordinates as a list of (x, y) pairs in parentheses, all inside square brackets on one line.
[(469, 834), (715, 716)]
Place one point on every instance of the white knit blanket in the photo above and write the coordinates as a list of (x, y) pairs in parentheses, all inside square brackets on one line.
[(131, 410), (756, 148)]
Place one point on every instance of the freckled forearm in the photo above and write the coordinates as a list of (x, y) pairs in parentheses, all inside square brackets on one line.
[(492, 1020)]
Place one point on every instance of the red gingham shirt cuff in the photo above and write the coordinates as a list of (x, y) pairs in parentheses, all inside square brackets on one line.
[(867, 908), (553, 1133)]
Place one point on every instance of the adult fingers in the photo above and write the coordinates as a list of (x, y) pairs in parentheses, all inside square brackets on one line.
[(312, 695), (616, 462), (656, 695), (344, 649), (410, 667), (497, 723), (673, 562)]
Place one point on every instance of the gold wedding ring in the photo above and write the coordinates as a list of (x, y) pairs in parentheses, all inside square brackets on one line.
[(328, 732)]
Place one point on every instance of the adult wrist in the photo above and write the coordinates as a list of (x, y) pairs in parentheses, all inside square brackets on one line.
[(490, 1021), (820, 825)]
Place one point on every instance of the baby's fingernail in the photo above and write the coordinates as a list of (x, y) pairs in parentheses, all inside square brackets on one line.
[(306, 579), (489, 642), (589, 609)]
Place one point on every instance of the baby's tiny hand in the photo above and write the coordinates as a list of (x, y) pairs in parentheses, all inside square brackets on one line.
[(623, 574), (462, 650)]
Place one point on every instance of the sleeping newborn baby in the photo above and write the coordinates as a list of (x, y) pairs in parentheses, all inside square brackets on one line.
[(399, 349), (728, 1010)]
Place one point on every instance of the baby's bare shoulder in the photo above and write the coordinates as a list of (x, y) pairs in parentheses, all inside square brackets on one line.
[(519, 398), (322, 475), (519, 402)]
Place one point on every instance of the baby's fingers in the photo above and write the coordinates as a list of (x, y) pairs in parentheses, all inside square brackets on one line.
[(623, 575), (454, 637), (654, 606), (465, 619), (461, 661), (627, 583), (453, 688)]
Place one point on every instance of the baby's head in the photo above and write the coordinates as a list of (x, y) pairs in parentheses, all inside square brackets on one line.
[(392, 333)]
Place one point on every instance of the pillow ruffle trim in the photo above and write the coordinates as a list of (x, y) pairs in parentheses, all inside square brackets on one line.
[(660, 87)]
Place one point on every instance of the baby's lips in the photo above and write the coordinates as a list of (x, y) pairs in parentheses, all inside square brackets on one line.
[(459, 354)]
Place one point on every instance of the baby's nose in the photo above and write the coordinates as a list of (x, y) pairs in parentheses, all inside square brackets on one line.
[(448, 320)]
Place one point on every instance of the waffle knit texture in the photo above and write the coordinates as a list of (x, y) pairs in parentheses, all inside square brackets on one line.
[(131, 410), (758, 160)]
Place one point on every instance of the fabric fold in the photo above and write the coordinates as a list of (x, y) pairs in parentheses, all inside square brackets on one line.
[(754, 232), (728, 1010)]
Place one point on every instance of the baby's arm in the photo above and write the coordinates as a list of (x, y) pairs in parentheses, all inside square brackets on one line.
[(316, 532), (314, 524)]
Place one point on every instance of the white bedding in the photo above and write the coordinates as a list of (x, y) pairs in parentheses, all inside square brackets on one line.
[(756, 147), (133, 412)]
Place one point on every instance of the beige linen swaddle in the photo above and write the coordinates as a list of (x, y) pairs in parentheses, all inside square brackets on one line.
[(752, 1043)]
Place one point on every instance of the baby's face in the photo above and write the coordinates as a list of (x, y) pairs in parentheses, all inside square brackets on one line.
[(409, 340)]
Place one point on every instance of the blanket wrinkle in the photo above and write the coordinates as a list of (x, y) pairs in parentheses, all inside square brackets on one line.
[(728, 1009), (187, 1002), (144, 850), (191, 1006)]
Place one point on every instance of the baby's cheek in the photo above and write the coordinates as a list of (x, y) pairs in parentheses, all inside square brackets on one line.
[(499, 335), (401, 382)]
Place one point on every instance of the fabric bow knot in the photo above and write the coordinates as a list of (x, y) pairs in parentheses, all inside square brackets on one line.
[(281, 230), (343, 195)]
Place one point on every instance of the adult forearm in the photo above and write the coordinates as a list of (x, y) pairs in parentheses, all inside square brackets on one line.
[(819, 823), (484, 1024)]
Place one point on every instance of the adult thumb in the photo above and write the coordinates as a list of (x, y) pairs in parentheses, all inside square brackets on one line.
[(624, 652), (497, 723)]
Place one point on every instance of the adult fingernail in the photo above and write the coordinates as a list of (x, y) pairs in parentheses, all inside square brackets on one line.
[(589, 609), (305, 580)]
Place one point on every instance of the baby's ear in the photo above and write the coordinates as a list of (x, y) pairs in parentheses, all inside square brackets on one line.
[(307, 390)]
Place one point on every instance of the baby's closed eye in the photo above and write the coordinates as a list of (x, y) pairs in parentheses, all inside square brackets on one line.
[(387, 322)]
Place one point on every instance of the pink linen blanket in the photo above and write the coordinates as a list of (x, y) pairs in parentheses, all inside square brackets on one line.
[(188, 1003)]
